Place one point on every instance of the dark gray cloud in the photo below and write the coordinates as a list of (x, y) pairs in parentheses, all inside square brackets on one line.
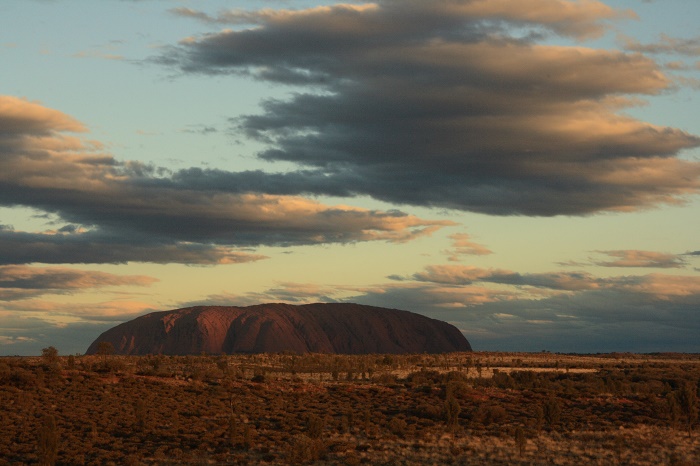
[(22, 282), (592, 321), (640, 314), (131, 211), (200, 129), (665, 44), (435, 104), (23, 277), (501, 310), (468, 275), (659, 285), (94, 247), (617, 319)]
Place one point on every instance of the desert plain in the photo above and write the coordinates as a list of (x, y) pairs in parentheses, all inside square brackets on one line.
[(454, 408)]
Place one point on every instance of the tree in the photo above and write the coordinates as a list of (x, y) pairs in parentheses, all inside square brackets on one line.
[(520, 440), (367, 422), (232, 429), (47, 441), (49, 354), (688, 403), (552, 411), (140, 414), (452, 410), (104, 349), (50, 357), (248, 436), (674, 409), (539, 417), (314, 426)]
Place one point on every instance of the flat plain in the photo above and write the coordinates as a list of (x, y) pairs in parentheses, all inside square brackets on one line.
[(456, 408)]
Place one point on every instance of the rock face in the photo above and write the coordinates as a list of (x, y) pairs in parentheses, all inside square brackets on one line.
[(318, 328)]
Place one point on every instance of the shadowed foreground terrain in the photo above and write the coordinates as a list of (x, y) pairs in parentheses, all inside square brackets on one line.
[(343, 328), (457, 408)]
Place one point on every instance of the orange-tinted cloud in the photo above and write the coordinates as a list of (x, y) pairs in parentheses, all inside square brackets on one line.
[(149, 214), (22, 282), (635, 258), (582, 19), (57, 313), (462, 245)]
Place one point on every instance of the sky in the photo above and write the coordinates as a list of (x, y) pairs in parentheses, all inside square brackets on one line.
[(527, 170)]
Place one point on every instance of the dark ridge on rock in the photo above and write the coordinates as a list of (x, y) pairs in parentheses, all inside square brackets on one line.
[(273, 328)]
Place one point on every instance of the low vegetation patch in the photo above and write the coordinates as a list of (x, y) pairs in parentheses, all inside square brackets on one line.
[(457, 408)]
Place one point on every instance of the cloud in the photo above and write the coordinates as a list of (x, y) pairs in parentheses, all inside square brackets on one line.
[(575, 312), (430, 299), (462, 245), (410, 295), (29, 323), (676, 65), (457, 274), (199, 129), (287, 292), (657, 286), (98, 54), (666, 44), (510, 311), (145, 213), (465, 275), (634, 258), (190, 13), (660, 287), (451, 104), (22, 282), (577, 19), (23, 333), (25, 121), (569, 312), (95, 247), (107, 311)]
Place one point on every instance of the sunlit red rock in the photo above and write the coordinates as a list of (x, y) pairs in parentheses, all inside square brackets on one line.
[(319, 328)]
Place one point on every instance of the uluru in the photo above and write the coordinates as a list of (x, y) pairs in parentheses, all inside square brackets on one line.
[(342, 328)]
